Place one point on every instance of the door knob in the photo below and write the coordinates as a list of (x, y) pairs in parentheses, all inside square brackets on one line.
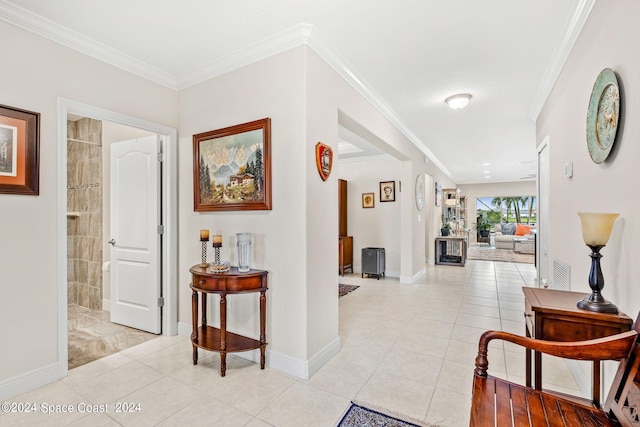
[(112, 242)]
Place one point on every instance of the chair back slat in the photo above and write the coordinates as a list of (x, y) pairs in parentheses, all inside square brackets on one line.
[(623, 401)]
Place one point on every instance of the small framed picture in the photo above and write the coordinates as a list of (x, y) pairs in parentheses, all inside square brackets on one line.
[(368, 200), (388, 191)]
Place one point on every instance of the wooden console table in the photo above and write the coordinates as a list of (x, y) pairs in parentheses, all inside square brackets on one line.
[(552, 315), (221, 340)]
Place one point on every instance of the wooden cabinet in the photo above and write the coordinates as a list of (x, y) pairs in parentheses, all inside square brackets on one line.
[(552, 315), (345, 254), (345, 242), (342, 207), (219, 339)]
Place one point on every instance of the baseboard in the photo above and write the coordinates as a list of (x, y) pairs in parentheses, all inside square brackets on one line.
[(28, 381), (298, 368), (106, 304), (184, 329), (412, 279)]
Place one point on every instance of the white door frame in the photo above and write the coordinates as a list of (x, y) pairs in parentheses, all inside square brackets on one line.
[(169, 214), (543, 252)]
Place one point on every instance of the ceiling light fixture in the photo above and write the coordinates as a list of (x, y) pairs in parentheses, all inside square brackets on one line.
[(458, 101)]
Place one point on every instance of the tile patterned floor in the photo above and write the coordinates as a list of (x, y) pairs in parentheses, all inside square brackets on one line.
[(92, 335), (407, 350)]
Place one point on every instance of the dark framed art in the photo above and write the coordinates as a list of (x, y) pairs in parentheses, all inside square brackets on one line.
[(232, 168), (19, 151), (388, 191), (368, 200)]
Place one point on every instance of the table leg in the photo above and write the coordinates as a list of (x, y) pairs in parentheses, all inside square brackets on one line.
[(596, 383), (223, 333), (263, 334), (527, 356), (204, 310), (537, 357), (194, 324)]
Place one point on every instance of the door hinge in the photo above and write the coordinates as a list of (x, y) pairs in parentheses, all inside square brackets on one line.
[(161, 229), (161, 302), (160, 157)]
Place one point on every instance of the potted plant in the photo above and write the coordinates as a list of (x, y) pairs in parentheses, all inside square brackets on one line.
[(483, 227), (445, 229)]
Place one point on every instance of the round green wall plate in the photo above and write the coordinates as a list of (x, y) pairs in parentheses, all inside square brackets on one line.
[(603, 115)]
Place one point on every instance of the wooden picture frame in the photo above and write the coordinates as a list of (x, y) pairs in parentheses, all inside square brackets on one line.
[(232, 168), (388, 191), (19, 151), (368, 200)]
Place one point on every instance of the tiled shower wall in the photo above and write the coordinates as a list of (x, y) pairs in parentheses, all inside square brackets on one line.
[(84, 207)]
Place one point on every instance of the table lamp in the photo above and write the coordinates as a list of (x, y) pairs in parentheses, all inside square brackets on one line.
[(596, 229)]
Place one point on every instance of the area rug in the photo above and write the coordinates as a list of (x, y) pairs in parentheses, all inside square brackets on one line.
[(487, 253), (359, 416), (345, 289)]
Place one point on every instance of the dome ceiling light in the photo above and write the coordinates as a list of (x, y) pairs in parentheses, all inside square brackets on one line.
[(458, 101)]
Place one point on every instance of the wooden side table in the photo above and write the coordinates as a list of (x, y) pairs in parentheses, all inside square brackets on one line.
[(552, 315), (221, 340)]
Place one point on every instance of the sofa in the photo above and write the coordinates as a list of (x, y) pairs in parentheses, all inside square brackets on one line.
[(505, 234)]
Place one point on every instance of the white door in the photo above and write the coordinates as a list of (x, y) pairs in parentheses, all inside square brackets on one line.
[(544, 258), (135, 240)]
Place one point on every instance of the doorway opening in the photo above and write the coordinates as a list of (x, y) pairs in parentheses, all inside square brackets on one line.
[(92, 335), (85, 133)]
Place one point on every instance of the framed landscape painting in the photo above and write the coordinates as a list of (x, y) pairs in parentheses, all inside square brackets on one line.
[(19, 151), (232, 168)]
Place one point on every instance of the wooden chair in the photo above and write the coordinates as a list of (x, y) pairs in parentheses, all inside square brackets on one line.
[(498, 402)]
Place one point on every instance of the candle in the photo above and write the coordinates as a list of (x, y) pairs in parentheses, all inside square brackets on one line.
[(204, 235), (217, 239)]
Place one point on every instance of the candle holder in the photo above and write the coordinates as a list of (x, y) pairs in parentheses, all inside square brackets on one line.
[(204, 263), (218, 266)]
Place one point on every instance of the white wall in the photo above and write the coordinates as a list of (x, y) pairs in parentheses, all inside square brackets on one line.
[(608, 40), (378, 226), (271, 88), (605, 41), (40, 73)]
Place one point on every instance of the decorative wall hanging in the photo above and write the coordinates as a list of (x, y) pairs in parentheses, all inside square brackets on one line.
[(603, 115), (324, 160), (368, 200), (419, 192), (232, 168), (388, 191), (438, 193), (19, 151)]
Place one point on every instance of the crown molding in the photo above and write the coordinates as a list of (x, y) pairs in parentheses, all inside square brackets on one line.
[(560, 55), (301, 34), (48, 29), (293, 37), (335, 61)]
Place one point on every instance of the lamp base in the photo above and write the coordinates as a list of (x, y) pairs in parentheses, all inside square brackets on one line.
[(601, 306)]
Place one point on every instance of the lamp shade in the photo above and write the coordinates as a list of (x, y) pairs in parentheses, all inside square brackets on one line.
[(596, 227), (450, 202)]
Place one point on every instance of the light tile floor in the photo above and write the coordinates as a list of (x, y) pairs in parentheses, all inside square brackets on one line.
[(407, 350)]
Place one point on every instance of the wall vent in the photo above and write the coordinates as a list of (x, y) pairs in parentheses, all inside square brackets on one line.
[(561, 275)]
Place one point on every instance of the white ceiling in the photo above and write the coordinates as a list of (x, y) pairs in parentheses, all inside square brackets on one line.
[(405, 56)]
